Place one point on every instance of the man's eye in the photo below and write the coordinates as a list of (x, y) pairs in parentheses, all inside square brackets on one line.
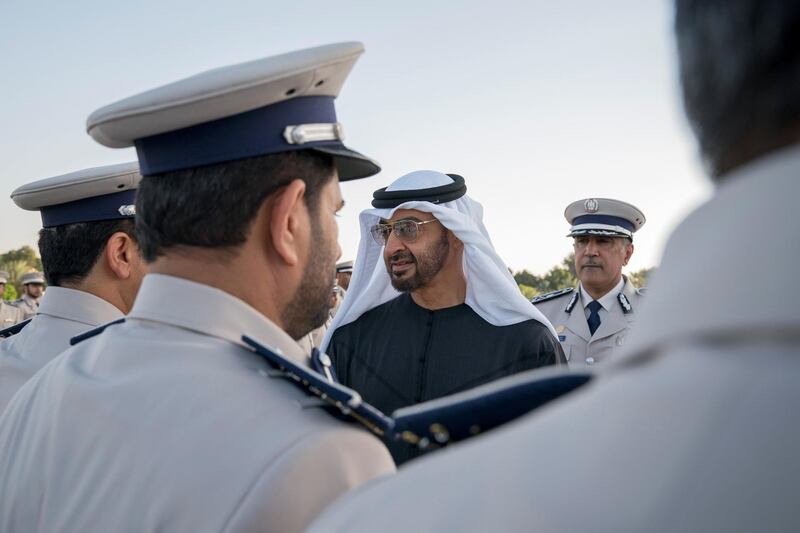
[(403, 229)]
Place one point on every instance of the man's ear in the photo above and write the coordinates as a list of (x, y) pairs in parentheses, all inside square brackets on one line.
[(628, 253), (455, 241), (288, 218), (120, 254)]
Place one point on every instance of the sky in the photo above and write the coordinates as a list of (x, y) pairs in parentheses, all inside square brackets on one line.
[(536, 103)]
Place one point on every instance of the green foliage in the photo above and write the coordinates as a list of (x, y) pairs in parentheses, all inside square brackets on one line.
[(16, 263), (641, 277), (558, 277), (526, 279), (10, 294), (528, 292)]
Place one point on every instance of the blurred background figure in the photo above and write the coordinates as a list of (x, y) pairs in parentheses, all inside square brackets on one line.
[(9, 314), (32, 291), (344, 271)]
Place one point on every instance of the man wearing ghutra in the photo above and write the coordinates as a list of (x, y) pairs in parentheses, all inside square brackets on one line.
[(442, 314)]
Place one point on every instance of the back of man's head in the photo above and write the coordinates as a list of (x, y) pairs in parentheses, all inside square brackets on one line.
[(740, 73), (70, 252), (214, 206)]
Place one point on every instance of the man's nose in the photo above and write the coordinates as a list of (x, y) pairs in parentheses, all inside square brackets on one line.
[(393, 244), (591, 248)]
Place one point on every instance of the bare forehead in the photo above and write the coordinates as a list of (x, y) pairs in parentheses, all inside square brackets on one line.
[(413, 214)]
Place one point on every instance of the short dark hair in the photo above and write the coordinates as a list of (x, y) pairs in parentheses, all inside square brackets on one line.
[(740, 74), (214, 206), (70, 252)]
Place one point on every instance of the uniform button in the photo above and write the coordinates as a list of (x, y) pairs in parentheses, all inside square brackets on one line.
[(262, 372), (590, 360), (620, 340)]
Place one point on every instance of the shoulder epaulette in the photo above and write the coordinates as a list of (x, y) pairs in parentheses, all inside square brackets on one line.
[(93, 332), (347, 402), (552, 295), (641, 290), (13, 330)]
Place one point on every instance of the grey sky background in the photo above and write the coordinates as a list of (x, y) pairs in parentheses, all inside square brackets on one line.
[(535, 103)]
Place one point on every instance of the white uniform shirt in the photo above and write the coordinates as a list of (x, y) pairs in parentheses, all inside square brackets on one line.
[(581, 347), (695, 429), (608, 300), (167, 423), (27, 305), (63, 313), (9, 314)]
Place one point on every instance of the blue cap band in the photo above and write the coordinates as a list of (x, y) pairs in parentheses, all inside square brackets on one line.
[(249, 134), (105, 207), (604, 219)]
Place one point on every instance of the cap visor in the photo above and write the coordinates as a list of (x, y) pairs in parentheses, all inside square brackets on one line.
[(350, 164), (598, 233)]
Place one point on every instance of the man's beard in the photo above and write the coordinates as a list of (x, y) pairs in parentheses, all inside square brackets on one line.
[(310, 306), (429, 263)]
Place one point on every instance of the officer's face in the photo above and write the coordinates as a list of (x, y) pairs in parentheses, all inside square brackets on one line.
[(599, 260), (311, 303), (34, 290), (412, 262), (343, 279)]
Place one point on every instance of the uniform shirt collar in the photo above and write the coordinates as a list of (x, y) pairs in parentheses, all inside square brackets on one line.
[(209, 311), (78, 306), (607, 300)]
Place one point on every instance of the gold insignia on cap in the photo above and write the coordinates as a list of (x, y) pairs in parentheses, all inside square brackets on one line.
[(591, 205), (560, 329)]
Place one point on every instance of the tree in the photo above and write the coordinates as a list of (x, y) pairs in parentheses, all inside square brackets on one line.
[(641, 277), (527, 291), (10, 293), (526, 278), (16, 263), (558, 277)]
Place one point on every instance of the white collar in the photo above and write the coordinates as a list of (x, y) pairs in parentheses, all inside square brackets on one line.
[(78, 306), (607, 300), (209, 311)]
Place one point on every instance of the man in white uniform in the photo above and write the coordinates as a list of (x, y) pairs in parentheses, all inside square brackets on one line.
[(90, 258), (697, 429), (9, 314), (602, 231), (32, 290), (344, 271), (170, 421)]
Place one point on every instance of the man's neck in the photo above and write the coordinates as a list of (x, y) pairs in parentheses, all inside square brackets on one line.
[(231, 275), (598, 292), (102, 289), (441, 293)]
